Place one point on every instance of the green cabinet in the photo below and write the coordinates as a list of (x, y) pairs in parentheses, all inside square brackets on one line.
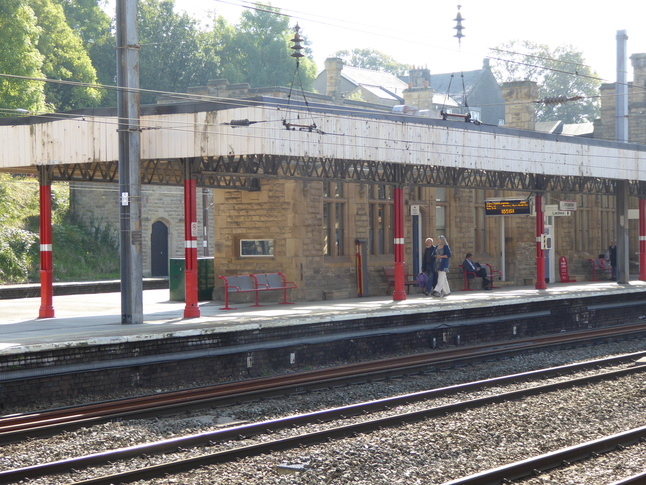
[(205, 279)]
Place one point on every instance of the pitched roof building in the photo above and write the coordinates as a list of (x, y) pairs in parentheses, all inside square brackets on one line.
[(476, 92)]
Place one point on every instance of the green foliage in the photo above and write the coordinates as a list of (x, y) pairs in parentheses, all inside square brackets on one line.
[(15, 259), (80, 251), (65, 58), (95, 254), (558, 72), (261, 46), (74, 40), (176, 54), (172, 55), (98, 38), (20, 57), (373, 60)]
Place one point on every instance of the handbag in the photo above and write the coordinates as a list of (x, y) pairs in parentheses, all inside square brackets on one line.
[(422, 279)]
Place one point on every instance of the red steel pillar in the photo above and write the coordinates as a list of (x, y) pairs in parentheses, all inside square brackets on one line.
[(642, 239), (399, 293), (191, 310), (540, 257), (46, 264)]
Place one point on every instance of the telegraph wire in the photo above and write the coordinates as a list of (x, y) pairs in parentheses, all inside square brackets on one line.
[(235, 102)]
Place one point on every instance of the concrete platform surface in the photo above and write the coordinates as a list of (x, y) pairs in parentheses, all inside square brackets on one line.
[(96, 318)]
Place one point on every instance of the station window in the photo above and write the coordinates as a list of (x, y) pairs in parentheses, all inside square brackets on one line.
[(582, 224), (608, 220), (381, 217), (440, 209), (481, 233), (333, 219)]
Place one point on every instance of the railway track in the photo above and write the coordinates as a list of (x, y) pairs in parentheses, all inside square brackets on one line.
[(364, 425), (45, 423), (535, 465)]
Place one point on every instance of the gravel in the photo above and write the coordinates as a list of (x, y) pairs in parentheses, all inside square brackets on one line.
[(432, 451)]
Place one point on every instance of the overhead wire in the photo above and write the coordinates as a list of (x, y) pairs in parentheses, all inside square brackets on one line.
[(221, 100)]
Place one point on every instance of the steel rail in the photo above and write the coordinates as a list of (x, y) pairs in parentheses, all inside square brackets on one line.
[(15, 428), (638, 479), (247, 430), (555, 459)]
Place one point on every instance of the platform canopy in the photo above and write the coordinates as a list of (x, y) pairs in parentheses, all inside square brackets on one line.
[(237, 144)]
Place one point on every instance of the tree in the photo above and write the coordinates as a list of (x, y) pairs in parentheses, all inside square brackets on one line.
[(98, 38), (65, 59), (20, 57), (561, 72), (374, 60), (262, 48), (172, 55)]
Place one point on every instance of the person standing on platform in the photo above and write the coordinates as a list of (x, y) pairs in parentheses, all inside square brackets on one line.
[(442, 256), (612, 257), (428, 265)]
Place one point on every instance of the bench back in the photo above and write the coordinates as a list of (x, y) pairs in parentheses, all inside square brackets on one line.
[(389, 271), (271, 280), (240, 282)]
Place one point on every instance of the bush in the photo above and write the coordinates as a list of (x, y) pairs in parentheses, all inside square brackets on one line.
[(80, 251)]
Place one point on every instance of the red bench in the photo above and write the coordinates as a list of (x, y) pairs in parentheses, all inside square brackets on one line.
[(492, 273), (389, 272), (465, 275), (255, 283), (599, 265)]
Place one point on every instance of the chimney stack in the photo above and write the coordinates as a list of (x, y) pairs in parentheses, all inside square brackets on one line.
[(333, 68), (520, 110)]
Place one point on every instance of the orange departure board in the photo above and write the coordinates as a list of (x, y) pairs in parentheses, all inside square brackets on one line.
[(507, 207)]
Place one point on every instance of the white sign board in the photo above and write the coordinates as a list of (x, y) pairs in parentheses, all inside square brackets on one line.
[(567, 205), (414, 210), (553, 210)]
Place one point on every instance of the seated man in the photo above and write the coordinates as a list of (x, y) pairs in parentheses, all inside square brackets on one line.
[(472, 267)]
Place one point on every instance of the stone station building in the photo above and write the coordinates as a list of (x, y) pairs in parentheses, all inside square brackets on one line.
[(308, 229)]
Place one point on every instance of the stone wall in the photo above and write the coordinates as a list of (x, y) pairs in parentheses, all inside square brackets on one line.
[(605, 128), (98, 204)]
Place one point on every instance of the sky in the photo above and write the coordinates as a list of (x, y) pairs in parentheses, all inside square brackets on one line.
[(420, 33)]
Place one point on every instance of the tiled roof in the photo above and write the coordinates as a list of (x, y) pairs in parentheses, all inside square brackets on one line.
[(366, 77), (440, 82)]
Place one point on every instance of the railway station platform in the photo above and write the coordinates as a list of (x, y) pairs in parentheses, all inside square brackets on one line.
[(85, 352), (94, 319)]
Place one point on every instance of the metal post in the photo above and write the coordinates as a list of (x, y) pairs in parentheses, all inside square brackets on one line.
[(399, 293), (642, 239), (622, 88), (540, 257), (46, 262), (622, 271), (205, 221), (622, 190), (129, 176), (191, 310)]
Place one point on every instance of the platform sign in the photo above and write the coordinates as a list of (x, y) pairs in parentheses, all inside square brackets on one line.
[(507, 207), (567, 205), (553, 210)]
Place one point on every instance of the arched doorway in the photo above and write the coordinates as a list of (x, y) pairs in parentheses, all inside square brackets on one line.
[(159, 249)]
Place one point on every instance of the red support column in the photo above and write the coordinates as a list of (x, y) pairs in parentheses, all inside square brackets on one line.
[(191, 310), (642, 239), (399, 293), (540, 257), (46, 264)]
